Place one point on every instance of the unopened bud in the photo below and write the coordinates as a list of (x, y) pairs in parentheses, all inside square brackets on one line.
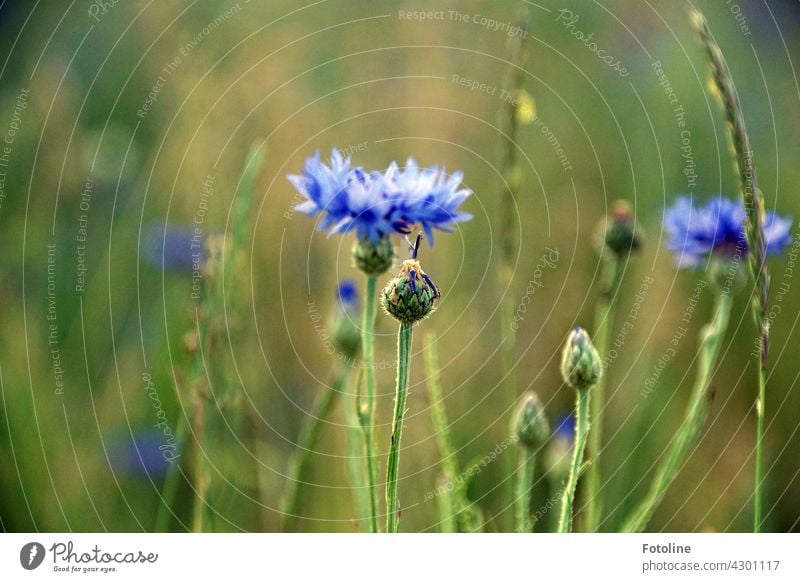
[(619, 230), (410, 296), (530, 423), (373, 257), (580, 362)]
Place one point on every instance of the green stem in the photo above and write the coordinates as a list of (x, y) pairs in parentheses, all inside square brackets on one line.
[(201, 478), (170, 488), (403, 351), (760, 405), (696, 413), (454, 491), (307, 441), (445, 507), (356, 463), (753, 200), (603, 328), (367, 410), (508, 241), (581, 432), (525, 474)]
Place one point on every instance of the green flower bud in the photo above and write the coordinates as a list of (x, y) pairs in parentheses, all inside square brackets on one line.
[(373, 258), (530, 423), (619, 231), (580, 362), (410, 296)]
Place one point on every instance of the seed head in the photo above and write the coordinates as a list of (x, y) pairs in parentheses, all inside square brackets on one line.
[(410, 296)]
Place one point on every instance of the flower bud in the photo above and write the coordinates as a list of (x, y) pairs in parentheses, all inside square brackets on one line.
[(344, 326), (619, 231), (373, 258), (410, 296), (530, 423), (580, 362)]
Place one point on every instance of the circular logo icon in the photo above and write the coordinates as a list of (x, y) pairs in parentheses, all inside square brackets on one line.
[(31, 555)]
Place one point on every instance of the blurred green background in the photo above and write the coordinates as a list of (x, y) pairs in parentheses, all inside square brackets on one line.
[(147, 100)]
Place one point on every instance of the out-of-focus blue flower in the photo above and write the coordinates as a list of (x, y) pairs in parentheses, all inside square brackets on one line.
[(375, 204), (559, 451), (347, 294), (143, 453), (344, 326), (694, 233), (565, 428), (177, 249)]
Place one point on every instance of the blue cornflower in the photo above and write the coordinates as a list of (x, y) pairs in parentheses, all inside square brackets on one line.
[(426, 196), (142, 453), (376, 204), (324, 186), (565, 428), (559, 452), (347, 294), (698, 232), (177, 249), (344, 327)]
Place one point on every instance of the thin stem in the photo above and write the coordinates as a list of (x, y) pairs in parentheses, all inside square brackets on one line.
[(508, 241), (170, 487), (603, 329), (367, 411), (307, 441), (696, 413), (581, 432), (760, 405), (454, 493), (356, 461), (201, 479), (525, 474), (753, 200), (445, 507), (403, 350)]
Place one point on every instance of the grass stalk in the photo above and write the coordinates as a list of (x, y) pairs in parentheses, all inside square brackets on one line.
[(366, 410), (603, 328), (307, 442), (711, 338), (508, 123), (356, 460), (753, 200), (170, 488), (201, 477), (454, 494)]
